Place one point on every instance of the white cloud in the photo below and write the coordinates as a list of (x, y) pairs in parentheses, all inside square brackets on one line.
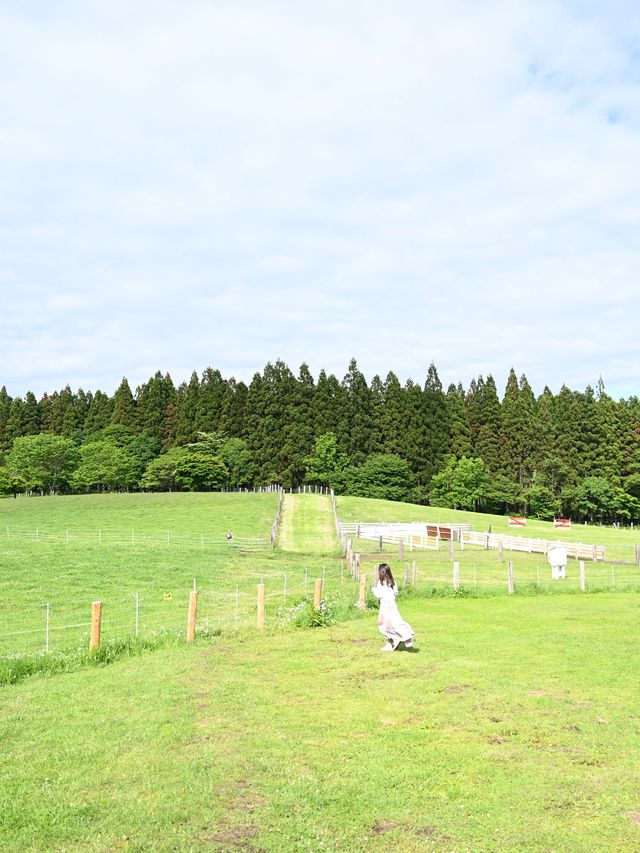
[(195, 183)]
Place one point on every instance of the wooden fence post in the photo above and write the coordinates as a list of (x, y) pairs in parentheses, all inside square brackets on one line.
[(595, 553), (451, 546), (456, 575), (510, 577), (380, 544), (583, 580), (363, 591), (317, 594), (191, 618), (407, 569), (500, 552), (401, 549), (637, 554), (260, 605), (414, 574), (96, 621)]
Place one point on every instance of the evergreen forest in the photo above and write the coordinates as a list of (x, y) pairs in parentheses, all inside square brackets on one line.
[(574, 453)]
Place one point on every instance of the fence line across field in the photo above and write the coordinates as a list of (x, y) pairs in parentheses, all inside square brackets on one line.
[(118, 536), (431, 535)]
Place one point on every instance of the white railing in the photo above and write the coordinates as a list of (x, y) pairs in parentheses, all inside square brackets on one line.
[(577, 550)]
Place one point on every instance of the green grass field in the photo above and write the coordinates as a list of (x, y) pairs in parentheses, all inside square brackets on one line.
[(619, 542), (143, 551), (480, 570), (516, 726)]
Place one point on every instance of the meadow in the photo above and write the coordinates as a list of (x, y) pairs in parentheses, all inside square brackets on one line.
[(480, 570), (619, 542), (515, 725), (140, 554)]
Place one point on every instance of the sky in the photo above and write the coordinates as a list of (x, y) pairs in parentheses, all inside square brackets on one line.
[(195, 183)]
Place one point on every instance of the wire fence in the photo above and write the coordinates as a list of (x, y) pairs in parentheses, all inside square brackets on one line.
[(64, 625), (131, 536)]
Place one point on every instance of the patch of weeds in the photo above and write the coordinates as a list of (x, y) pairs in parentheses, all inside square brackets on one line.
[(15, 668), (303, 614)]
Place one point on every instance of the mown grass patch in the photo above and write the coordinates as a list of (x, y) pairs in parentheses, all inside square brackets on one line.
[(516, 726)]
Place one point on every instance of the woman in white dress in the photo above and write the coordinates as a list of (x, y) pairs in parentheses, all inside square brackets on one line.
[(390, 622)]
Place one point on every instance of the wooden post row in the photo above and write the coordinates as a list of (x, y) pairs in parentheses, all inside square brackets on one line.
[(96, 621), (191, 618), (363, 591)]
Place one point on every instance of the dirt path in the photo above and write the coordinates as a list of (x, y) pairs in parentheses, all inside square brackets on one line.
[(307, 524)]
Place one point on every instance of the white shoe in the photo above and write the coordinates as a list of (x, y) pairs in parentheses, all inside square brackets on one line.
[(387, 648)]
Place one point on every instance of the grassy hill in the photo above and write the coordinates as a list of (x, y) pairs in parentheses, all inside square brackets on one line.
[(365, 509), (143, 551), (514, 727)]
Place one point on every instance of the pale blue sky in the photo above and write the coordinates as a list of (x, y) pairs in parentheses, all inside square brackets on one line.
[(191, 184)]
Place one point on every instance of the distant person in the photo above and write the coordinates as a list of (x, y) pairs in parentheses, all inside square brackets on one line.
[(229, 535), (390, 623)]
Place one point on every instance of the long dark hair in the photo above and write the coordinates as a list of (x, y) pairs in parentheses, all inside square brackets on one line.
[(385, 575)]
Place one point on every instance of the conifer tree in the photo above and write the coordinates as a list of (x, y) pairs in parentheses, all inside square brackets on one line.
[(210, 397), (566, 428), (415, 441), (609, 453), (517, 426), (15, 422), (124, 411), (358, 414), (187, 411), (152, 400), (457, 417), (233, 409), (31, 415), (298, 397), (390, 424), (377, 415), (99, 413), (438, 434), (485, 417), (329, 409), (5, 408)]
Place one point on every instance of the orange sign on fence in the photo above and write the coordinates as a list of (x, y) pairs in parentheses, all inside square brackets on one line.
[(517, 521), (564, 523)]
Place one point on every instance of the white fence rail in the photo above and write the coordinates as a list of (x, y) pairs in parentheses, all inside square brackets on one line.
[(576, 550)]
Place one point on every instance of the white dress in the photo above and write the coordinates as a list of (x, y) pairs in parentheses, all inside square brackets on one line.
[(390, 622)]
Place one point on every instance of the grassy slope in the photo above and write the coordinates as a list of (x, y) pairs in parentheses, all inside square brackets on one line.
[(307, 524), (70, 576), (365, 509), (515, 727)]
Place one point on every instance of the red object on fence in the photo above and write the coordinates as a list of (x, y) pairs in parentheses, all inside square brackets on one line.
[(439, 530), (517, 521), (564, 523)]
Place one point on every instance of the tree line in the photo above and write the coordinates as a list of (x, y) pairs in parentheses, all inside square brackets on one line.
[(575, 453)]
